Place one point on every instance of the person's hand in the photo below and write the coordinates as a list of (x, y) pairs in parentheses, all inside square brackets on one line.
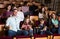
[(56, 26), (45, 28), (10, 28)]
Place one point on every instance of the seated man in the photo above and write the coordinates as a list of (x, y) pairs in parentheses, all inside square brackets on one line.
[(13, 24)]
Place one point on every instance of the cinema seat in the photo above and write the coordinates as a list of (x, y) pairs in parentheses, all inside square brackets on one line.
[(5, 37), (1, 29), (23, 37), (50, 37), (56, 36), (33, 17), (40, 36)]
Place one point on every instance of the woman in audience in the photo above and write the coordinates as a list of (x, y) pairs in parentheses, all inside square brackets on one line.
[(7, 13), (27, 26), (54, 23)]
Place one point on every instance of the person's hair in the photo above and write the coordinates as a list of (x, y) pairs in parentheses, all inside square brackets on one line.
[(13, 5), (26, 19), (7, 7), (25, 3), (55, 15), (41, 19), (49, 9), (42, 5), (14, 10), (19, 5)]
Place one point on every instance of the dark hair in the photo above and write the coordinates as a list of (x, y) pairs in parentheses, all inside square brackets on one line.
[(19, 5), (8, 5), (25, 3), (42, 5), (41, 19), (14, 10), (13, 5), (49, 9), (54, 14)]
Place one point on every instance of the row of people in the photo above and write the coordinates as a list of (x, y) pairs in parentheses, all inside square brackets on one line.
[(47, 23)]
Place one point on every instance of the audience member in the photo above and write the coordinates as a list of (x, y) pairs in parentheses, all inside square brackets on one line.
[(27, 26)]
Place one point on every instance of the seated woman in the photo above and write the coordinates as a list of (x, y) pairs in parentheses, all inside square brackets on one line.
[(54, 23), (7, 13), (27, 26)]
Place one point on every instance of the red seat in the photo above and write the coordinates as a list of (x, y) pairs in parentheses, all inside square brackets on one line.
[(40, 36), (23, 37), (5, 37)]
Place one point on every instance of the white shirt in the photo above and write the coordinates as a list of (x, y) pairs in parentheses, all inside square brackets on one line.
[(13, 23), (20, 15)]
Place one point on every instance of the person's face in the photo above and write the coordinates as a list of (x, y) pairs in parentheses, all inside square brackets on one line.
[(15, 12), (27, 20), (9, 7), (42, 22), (54, 16), (43, 9)]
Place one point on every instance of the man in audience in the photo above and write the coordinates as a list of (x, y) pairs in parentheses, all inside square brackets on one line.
[(13, 24)]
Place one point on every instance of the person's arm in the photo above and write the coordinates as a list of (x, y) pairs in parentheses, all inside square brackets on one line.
[(45, 28), (55, 24), (8, 24), (23, 27), (30, 27), (22, 16)]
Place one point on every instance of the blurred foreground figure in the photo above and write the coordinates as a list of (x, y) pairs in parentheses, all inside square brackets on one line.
[(13, 24)]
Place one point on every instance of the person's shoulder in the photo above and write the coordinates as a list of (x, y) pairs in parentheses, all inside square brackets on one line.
[(10, 17), (20, 12)]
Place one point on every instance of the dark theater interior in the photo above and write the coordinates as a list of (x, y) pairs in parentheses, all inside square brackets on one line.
[(29, 19)]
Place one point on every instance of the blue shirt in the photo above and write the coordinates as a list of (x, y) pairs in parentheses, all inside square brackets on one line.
[(13, 22)]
